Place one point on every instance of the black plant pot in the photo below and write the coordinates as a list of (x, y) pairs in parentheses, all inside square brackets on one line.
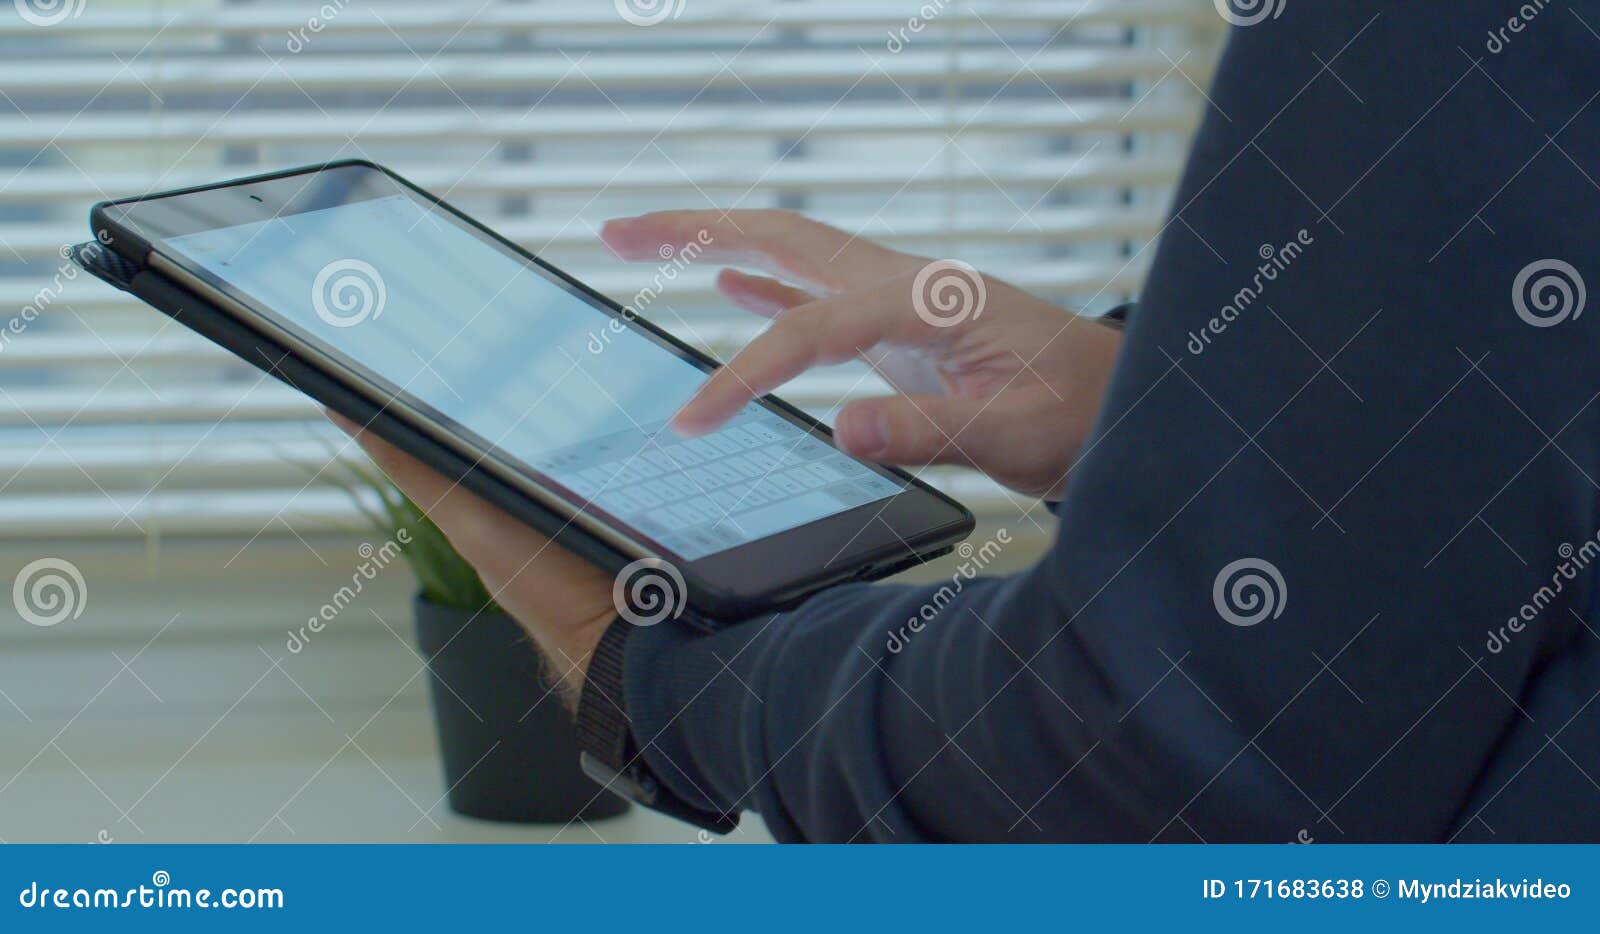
[(509, 748)]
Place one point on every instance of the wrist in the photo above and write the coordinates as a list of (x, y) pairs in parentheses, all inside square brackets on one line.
[(569, 652), (611, 752)]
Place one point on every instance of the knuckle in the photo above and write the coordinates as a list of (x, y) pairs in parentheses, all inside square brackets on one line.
[(921, 434), (797, 326), (822, 335)]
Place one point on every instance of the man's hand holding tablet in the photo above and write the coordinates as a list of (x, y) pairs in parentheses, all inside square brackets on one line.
[(969, 394)]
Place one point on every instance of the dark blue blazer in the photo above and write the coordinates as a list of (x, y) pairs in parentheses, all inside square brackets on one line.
[(1327, 568)]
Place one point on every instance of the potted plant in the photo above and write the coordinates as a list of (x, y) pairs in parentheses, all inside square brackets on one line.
[(509, 748)]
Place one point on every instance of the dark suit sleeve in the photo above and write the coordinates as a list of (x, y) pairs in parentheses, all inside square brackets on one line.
[(1324, 571)]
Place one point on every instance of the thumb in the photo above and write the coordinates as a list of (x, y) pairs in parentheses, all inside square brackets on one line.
[(910, 429)]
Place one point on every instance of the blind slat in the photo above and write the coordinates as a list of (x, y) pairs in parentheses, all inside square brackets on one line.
[(559, 123), (1066, 172), (475, 18), (497, 71), (1039, 225), (1037, 140)]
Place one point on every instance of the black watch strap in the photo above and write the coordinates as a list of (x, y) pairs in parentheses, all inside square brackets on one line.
[(605, 737), (1117, 317)]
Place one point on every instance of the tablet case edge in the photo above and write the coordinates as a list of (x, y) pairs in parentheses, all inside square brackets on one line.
[(172, 299)]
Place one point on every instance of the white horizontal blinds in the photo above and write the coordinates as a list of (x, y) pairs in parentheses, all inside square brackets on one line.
[(1035, 140)]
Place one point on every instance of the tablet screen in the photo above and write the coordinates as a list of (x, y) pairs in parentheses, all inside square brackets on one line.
[(493, 344)]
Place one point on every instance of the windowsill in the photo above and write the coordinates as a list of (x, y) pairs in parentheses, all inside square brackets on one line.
[(174, 711), (268, 778)]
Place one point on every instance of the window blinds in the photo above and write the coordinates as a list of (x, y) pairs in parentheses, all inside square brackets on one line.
[(1037, 141)]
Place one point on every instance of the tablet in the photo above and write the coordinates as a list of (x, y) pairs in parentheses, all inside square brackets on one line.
[(535, 391)]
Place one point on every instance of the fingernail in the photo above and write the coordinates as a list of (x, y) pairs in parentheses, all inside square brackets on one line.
[(866, 432)]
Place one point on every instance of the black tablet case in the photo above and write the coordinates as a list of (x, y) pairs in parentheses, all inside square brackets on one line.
[(169, 297), (704, 610)]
